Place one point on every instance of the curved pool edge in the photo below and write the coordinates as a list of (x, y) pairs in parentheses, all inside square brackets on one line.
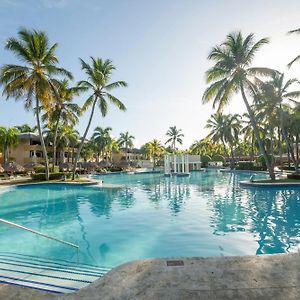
[(89, 183), (268, 184), (269, 276)]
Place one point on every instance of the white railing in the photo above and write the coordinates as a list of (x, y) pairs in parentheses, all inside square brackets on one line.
[(41, 234)]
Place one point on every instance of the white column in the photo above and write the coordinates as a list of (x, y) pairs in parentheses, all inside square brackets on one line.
[(187, 167), (175, 164), (182, 163)]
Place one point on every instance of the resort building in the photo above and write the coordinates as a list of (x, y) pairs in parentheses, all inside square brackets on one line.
[(131, 156), (29, 150)]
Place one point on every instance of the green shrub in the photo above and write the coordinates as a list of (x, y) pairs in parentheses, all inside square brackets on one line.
[(261, 160), (245, 165), (115, 169), (56, 169), (294, 176), (204, 160), (218, 157), (52, 176), (39, 169)]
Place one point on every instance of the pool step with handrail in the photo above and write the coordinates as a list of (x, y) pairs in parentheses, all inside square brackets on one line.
[(55, 276)]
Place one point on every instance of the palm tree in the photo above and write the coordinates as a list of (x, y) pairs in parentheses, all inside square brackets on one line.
[(98, 83), (64, 111), (296, 31), (126, 141), (232, 73), (101, 138), (273, 94), (113, 146), (155, 150), (175, 135), (34, 80), (225, 128), (26, 128), (8, 139), (217, 125), (207, 147)]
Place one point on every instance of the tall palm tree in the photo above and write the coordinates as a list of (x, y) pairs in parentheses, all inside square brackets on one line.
[(126, 141), (63, 112), (217, 125), (98, 83), (275, 93), (101, 139), (296, 31), (35, 79), (175, 135), (26, 128), (8, 139), (232, 73)]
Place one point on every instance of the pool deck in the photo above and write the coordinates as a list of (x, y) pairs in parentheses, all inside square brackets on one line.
[(245, 277)]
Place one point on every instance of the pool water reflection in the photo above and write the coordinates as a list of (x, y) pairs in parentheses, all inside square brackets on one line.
[(149, 215)]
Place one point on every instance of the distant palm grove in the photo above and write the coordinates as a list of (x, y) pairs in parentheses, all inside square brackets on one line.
[(266, 136)]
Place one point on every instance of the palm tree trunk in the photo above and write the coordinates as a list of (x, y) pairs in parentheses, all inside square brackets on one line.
[(284, 134), (83, 139), (5, 154), (280, 146), (232, 158), (55, 141), (252, 147), (297, 148), (258, 139), (42, 139), (72, 154)]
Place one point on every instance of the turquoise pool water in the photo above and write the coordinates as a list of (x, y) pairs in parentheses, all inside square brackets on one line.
[(149, 215)]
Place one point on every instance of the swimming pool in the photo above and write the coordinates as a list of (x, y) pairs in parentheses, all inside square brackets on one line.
[(149, 215)]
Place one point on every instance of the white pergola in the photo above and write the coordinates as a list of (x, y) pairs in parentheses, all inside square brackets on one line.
[(179, 165)]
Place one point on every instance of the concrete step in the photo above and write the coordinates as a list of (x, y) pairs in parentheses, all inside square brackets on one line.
[(56, 276)]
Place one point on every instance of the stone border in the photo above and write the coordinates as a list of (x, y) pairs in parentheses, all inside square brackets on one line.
[(242, 171), (268, 184)]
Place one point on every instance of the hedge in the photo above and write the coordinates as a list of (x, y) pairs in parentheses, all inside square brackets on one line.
[(52, 176), (218, 157), (294, 176)]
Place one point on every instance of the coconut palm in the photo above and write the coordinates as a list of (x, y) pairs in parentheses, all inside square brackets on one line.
[(98, 83), (101, 139), (63, 112), (232, 73), (126, 141), (217, 125), (113, 146), (207, 147), (26, 128), (296, 31), (155, 149), (225, 129), (34, 80), (175, 136), (273, 94), (8, 139)]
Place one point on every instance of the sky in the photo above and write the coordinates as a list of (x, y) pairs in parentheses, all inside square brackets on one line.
[(159, 48)]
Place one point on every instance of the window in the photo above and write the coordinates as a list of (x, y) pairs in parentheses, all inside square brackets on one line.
[(39, 154)]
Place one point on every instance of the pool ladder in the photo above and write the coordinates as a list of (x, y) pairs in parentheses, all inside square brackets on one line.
[(9, 223)]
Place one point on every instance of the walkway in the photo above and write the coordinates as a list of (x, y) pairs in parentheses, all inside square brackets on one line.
[(251, 277)]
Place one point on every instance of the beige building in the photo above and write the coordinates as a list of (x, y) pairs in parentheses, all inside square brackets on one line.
[(29, 150)]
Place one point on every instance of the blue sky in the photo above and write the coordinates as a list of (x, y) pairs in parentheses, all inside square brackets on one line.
[(159, 47)]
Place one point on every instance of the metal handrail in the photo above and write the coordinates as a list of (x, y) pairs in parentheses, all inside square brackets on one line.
[(41, 234)]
